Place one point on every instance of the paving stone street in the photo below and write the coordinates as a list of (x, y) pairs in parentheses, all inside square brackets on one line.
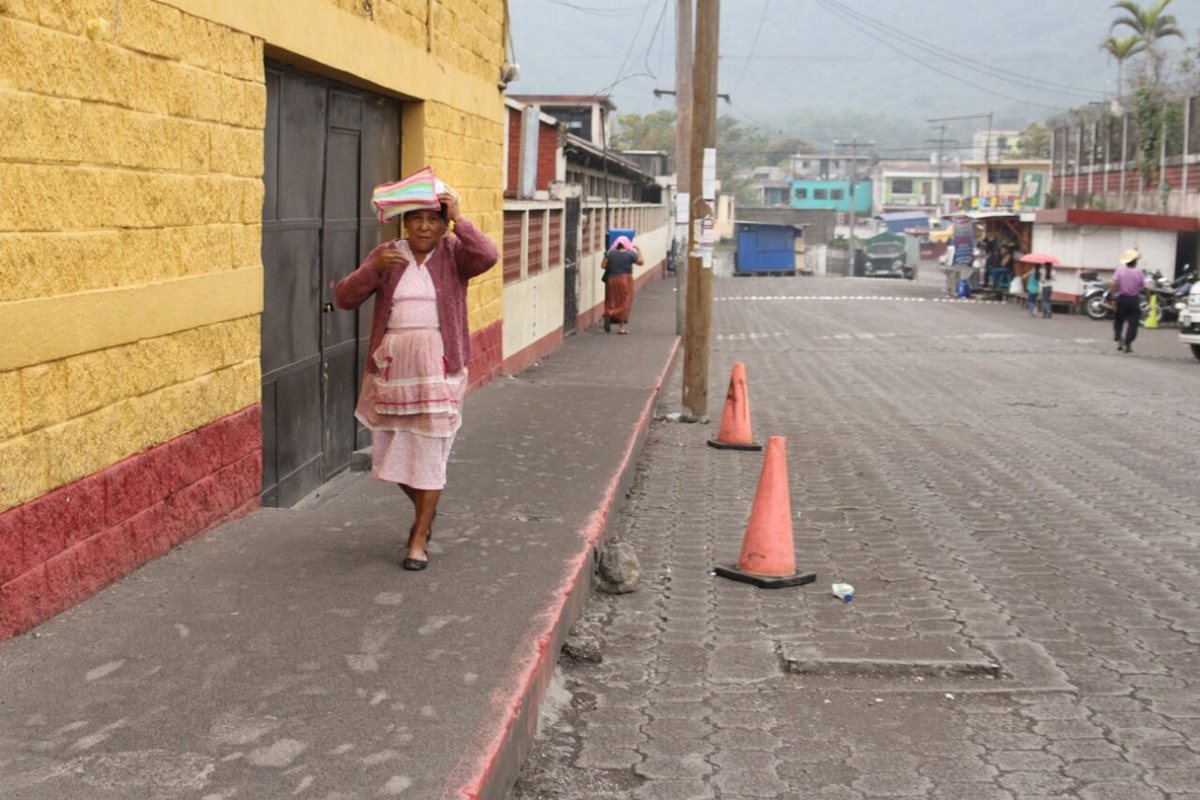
[(1018, 508)]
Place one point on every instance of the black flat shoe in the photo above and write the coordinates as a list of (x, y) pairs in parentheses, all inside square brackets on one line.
[(414, 564)]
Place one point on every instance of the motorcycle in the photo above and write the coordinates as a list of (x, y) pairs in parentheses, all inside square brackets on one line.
[(1171, 295), (1095, 296)]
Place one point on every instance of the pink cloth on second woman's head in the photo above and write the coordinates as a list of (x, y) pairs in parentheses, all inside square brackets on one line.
[(622, 240)]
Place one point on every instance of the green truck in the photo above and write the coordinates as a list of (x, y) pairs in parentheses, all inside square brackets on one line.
[(891, 255)]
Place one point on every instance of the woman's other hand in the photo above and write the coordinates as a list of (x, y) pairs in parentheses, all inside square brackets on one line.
[(389, 259), (451, 204)]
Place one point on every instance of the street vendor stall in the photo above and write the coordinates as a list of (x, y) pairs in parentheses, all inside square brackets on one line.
[(1007, 227)]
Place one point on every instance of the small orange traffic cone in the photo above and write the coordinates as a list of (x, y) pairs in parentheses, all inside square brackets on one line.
[(768, 558), (734, 433)]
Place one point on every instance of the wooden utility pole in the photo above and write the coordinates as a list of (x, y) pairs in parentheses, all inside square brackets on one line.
[(683, 150), (702, 213)]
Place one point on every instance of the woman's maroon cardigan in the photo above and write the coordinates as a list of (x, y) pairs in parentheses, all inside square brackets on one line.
[(458, 258)]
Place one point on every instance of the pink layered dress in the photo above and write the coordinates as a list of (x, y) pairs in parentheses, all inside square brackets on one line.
[(411, 405)]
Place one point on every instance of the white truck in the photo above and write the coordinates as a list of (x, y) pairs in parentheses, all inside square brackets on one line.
[(1189, 320)]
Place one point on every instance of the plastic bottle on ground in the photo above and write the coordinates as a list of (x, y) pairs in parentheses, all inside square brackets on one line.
[(843, 591)]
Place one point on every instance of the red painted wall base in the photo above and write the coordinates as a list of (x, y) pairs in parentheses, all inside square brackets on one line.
[(528, 356), (487, 353), (70, 543)]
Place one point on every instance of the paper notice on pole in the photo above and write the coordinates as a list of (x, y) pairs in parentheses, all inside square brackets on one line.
[(708, 175), (703, 239), (683, 202)]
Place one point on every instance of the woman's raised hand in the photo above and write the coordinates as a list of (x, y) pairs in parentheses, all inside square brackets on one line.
[(389, 259), (451, 203)]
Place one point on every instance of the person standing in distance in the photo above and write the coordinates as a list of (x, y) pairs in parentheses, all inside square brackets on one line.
[(1128, 284), (618, 266)]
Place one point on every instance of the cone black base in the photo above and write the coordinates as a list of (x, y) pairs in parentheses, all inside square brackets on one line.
[(727, 446), (765, 581)]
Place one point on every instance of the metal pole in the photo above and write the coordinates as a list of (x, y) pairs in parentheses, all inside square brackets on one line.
[(1092, 163), (1187, 127), (853, 210), (697, 341), (987, 152), (941, 143), (683, 151), (1124, 151), (1107, 126)]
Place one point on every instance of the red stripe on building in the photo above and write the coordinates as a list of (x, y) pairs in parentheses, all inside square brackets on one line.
[(69, 543), (487, 354)]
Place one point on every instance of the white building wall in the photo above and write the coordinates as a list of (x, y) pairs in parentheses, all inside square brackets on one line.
[(533, 309), (1095, 247)]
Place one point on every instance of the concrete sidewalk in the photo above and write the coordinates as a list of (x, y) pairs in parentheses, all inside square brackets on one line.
[(286, 654)]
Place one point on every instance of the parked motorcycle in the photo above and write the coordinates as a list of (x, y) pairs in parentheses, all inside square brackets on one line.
[(1171, 295), (1095, 296)]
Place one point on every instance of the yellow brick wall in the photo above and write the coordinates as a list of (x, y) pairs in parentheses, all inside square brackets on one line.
[(131, 158), (131, 153), (463, 33), (467, 151)]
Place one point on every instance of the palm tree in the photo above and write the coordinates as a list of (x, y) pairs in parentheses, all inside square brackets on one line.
[(1122, 48), (1149, 24)]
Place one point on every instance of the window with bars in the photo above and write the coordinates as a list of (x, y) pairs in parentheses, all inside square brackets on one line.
[(512, 245), (554, 257), (537, 242)]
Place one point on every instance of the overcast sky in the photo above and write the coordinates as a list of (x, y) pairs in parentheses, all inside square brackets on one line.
[(1022, 59)]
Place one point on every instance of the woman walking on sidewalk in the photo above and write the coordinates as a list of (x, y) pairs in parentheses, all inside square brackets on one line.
[(416, 374), (618, 283)]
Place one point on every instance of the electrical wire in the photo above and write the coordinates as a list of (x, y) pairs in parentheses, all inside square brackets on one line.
[(753, 46), (834, 9), (991, 71), (632, 44), (654, 35), (627, 11)]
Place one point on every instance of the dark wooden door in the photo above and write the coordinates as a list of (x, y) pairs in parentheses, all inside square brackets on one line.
[(326, 146)]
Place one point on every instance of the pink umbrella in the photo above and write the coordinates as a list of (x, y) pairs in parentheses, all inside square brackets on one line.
[(1040, 258)]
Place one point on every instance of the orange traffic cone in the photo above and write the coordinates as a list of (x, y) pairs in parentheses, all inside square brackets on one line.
[(734, 433), (768, 558)]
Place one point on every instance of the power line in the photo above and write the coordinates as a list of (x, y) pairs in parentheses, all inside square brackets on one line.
[(991, 71), (653, 35), (627, 11), (632, 45), (830, 58), (829, 6), (753, 45)]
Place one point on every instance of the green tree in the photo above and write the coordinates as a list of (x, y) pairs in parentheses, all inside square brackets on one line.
[(1150, 24), (740, 147), (1122, 48), (1189, 70), (649, 132), (1034, 141)]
